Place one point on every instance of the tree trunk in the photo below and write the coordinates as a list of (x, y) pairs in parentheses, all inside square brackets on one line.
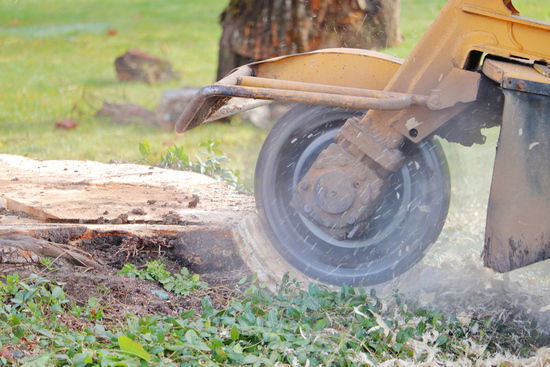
[(260, 29)]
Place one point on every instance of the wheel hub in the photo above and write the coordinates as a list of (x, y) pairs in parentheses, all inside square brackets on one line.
[(338, 193), (334, 192)]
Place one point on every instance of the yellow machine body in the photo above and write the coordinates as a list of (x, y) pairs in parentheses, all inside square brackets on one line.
[(474, 48)]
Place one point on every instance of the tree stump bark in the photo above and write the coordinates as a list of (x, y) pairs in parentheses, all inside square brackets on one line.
[(256, 30)]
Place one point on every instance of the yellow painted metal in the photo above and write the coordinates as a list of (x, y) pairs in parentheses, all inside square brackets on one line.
[(463, 29), (257, 82), (337, 67), (331, 70), (447, 55), (500, 71), (544, 70)]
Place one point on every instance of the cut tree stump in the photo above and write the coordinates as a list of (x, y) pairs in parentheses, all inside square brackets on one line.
[(55, 204)]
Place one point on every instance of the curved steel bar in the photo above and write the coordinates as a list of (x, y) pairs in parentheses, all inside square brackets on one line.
[(326, 99)]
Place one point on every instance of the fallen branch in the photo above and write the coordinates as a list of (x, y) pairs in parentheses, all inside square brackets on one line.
[(18, 249)]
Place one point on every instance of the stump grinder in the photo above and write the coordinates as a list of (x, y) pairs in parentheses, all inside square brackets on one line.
[(350, 184)]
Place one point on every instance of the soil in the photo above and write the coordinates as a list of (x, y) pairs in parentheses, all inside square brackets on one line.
[(103, 216), (121, 295), (221, 239)]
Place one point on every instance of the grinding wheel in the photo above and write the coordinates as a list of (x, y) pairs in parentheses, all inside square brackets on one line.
[(401, 230)]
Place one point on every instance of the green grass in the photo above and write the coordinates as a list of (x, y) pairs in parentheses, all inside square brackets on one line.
[(60, 50), (295, 327), (54, 51)]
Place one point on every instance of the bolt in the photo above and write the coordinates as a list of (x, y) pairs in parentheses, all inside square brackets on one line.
[(304, 186), (356, 185), (413, 133), (342, 161), (326, 223), (520, 84), (351, 220), (319, 165), (308, 208), (434, 103)]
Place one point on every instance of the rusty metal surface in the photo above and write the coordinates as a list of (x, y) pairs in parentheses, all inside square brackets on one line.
[(459, 86), (517, 76), (374, 68), (389, 159), (338, 200), (518, 217), (329, 89), (203, 105), (236, 105), (313, 98)]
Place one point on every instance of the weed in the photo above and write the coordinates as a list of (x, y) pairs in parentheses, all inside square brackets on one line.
[(101, 288), (317, 326), (47, 262), (210, 165), (180, 284), (94, 309)]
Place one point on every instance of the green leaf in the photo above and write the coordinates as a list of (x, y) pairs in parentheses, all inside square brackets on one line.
[(188, 314), (238, 349), (402, 336), (57, 291), (191, 336), (320, 324), (145, 148), (235, 358), (56, 308), (250, 359), (243, 280), (131, 347), (82, 358), (161, 336), (397, 347), (45, 333), (442, 339), (237, 306), (293, 312), (436, 319), (42, 361), (235, 333)]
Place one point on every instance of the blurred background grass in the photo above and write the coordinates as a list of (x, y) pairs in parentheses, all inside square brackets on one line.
[(57, 54)]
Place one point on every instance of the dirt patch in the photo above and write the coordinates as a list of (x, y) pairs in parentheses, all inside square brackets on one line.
[(103, 216), (120, 295)]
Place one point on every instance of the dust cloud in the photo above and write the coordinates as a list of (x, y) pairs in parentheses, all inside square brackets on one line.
[(451, 277)]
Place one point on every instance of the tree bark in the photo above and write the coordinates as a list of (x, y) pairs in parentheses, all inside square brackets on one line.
[(261, 29)]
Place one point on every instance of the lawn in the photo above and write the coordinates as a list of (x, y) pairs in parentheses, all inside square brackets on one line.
[(56, 55), (56, 58)]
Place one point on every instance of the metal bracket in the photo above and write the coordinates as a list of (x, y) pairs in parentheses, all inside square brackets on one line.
[(458, 86)]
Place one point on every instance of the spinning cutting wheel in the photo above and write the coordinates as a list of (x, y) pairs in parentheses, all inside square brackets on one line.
[(397, 235)]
